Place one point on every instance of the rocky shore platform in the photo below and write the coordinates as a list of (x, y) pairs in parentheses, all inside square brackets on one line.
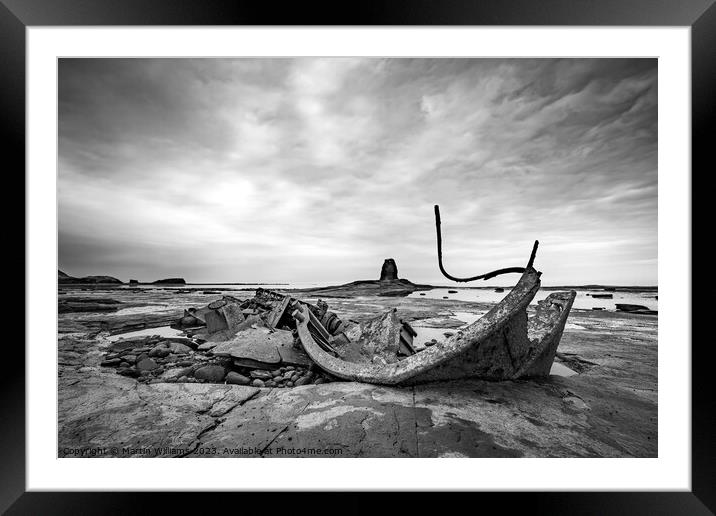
[(606, 407)]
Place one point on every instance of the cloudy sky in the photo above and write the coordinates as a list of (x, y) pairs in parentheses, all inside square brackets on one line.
[(315, 170)]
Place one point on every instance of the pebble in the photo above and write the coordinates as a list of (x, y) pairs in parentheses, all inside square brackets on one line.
[(270, 383), (257, 383), (260, 374), (319, 381), (130, 358), (289, 384), (302, 381)]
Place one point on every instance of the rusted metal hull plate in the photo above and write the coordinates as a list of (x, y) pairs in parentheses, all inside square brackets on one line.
[(497, 346)]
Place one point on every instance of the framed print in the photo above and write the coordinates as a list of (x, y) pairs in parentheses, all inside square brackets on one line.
[(424, 248)]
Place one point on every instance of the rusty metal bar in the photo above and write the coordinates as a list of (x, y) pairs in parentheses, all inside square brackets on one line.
[(486, 276)]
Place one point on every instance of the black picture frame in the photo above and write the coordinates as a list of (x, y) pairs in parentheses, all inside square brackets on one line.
[(700, 15)]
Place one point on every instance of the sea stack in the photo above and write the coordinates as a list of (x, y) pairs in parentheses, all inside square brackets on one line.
[(389, 271)]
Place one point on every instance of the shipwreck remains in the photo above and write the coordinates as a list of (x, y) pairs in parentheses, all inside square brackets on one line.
[(503, 344), (275, 339)]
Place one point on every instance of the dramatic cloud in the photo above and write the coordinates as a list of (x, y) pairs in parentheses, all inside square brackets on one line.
[(318, 169)]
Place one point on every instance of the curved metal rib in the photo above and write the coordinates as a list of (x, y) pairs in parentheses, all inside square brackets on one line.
[(493, 321), (487, 276)]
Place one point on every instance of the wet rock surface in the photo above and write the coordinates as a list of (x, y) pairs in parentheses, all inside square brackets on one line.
[(608, 409)]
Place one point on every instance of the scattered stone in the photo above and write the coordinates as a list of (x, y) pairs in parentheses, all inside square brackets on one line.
[(302, 381), (179, 348), (211, 373), (160, 351), (235, 378), (257, 383), (111, 362), (146, 364), (261, 375)]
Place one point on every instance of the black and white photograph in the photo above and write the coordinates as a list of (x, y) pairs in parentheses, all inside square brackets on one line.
[(343, 257)]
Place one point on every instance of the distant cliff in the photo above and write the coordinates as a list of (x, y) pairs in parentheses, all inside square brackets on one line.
[(63, 278)]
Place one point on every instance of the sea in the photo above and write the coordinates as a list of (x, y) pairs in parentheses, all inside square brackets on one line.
[(585, 299)]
